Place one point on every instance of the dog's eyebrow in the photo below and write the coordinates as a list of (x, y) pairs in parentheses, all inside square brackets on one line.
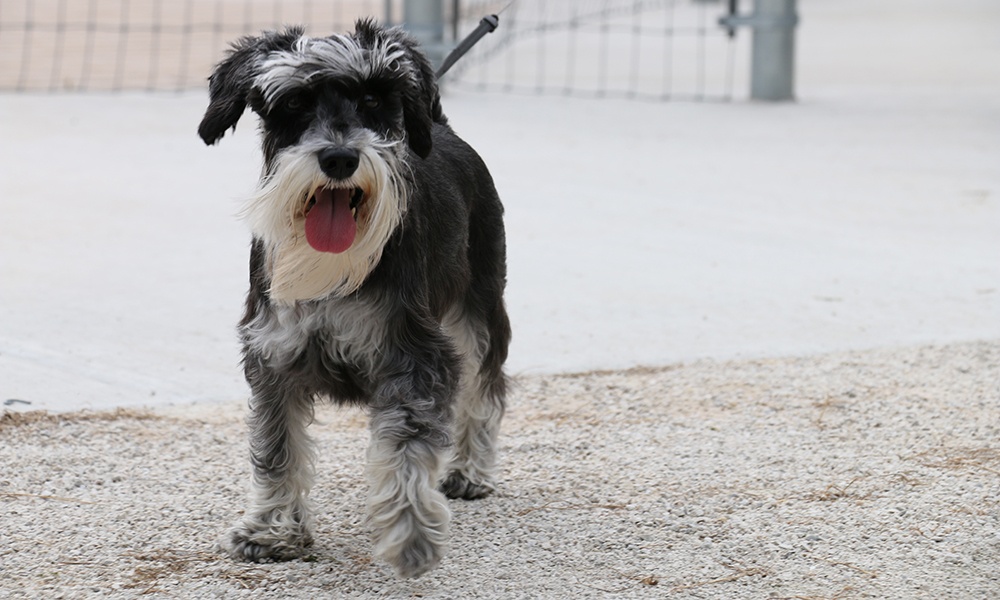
[(335, 57)]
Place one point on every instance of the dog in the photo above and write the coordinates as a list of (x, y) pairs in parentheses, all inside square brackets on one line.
[(377, 273)]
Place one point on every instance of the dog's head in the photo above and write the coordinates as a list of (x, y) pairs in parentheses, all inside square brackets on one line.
[(343, 119), (284, 77)]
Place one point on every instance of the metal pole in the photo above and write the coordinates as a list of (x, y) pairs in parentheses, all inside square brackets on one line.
[(772, 70), (424, 19)]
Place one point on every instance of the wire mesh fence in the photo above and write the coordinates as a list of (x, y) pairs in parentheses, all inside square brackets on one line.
[(645, 49), (115, 45), (652, 49)]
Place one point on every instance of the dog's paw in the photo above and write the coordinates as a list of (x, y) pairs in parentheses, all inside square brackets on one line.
[(458, 485), (244, 542), (412, 538), (416, 556)]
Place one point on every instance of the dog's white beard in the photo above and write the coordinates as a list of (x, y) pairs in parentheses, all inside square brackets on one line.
[(276, 215)]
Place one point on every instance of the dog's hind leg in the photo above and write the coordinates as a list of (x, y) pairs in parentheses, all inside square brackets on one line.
[(478, 410), (277, 522), (406, 458)]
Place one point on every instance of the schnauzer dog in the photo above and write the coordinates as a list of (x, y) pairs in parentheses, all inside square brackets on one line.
[(377, 272)]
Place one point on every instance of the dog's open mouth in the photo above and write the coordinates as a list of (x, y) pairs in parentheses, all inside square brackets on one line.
[(332, 218)]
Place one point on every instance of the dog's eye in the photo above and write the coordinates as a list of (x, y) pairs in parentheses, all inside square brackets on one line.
[(296, 102), (371, 101)]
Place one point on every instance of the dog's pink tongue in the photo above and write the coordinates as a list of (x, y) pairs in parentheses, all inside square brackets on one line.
[(330, 226)]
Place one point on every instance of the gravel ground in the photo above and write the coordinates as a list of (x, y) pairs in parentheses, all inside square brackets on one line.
[(869, 474)]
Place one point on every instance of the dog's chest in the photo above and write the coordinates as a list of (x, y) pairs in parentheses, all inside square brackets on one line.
[(341, 334)]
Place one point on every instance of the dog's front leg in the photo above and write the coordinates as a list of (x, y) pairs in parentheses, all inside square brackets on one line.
[(406, 458), (278, 519)]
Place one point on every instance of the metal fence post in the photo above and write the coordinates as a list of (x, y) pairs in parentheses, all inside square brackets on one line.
[(424, 19), (772, 70)]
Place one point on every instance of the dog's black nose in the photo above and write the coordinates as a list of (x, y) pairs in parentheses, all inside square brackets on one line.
[(339, 163)]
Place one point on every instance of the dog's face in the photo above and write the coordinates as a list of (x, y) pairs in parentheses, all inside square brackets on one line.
[(343, 119)]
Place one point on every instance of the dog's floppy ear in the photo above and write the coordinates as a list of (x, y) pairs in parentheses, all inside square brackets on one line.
[(421, 99), (230, 83), (421, 106)]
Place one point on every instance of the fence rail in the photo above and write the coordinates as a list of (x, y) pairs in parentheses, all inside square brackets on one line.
[(648, 49)]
